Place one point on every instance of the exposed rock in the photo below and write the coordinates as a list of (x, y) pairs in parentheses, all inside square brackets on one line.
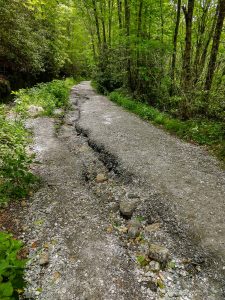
[(58, 111), (100, 178), (135, 223), (69, 120), (133, 196), (123, 229), (43, 259), (23, 203), (113, 206), (134, 227), (34, 111), (152, 286), (154, 266), (4, 204), (127, 207), (133, 232), (159, 253), (152, 227)]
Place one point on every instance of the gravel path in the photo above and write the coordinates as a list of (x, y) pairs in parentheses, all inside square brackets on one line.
[(80, 245), (72, 256), (186, 185)]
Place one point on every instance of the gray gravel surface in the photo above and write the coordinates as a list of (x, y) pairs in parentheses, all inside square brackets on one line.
[(186, 184), (81, 247)]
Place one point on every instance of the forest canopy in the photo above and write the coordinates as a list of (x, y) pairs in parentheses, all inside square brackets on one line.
[(40, 40), (167, 53)]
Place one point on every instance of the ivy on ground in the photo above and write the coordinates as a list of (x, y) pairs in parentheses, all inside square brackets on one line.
[(11, 267)]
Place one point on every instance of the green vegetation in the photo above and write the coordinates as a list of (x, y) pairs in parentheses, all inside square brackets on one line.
[(142, 260), (49, 96), (15, 177), (201, 131), (167, 53), (11, 267), (40, 41), (16, 180)]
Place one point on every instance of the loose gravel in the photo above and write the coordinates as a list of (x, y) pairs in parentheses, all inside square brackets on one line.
[(80, 246)]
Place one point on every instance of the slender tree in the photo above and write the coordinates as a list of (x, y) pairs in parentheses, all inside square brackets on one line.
[(174, 56), (188, 13), (127, 28), (200, 38), (215, 45), (119, 7)]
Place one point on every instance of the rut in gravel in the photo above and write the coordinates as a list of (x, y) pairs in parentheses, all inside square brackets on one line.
[(68, 227), (186, 185), (80, 247)]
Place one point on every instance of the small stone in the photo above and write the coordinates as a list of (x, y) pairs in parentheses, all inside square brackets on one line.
[(46, 245), (134, 223), (56, 276), (159, 253), (132, 196), (152, 286), (44, 259), (4, 204), (127, 208), (123, 229), (113, 206), (58, 111), (183, 273), (134, 228), (109, 229), (23, 203), (133, 232), (152, 227), (25, 228), (154, 266), (100, 178), (34, 111), (171, 294)]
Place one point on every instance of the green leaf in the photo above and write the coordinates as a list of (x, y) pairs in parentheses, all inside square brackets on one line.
[(6, 289)]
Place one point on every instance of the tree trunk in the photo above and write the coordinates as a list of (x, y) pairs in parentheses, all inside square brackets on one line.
[(139, 28), (97, 22), (186, 80), (140, 18), (200, 40), (215, 45), (103, 10), (174, 57), (110, 7), (162, 21), (127, 27), (127, 16), (119, 6), (206, 46)]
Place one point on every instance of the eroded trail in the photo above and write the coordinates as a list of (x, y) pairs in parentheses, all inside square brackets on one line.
[(80, 248), (69, 226)]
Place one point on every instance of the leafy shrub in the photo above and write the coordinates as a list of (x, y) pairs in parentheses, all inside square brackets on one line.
[(49, 96), (15, 177), (11, 268)]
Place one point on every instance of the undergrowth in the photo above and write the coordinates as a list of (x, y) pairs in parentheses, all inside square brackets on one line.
[(49, 96), (11, 267), (200, 131), (15, 177)]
